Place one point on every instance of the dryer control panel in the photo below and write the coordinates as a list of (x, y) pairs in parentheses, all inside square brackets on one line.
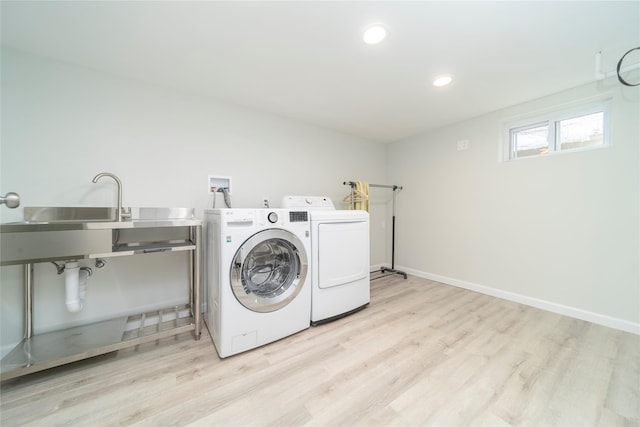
[(308, 202)]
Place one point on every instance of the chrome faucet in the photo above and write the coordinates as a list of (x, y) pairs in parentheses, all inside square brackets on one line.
[(119, 183)]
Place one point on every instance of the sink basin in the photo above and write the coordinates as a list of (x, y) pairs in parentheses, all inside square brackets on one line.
[(47, 215), (82, 214)]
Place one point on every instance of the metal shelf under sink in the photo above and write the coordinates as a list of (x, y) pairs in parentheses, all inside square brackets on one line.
[(56, 348)]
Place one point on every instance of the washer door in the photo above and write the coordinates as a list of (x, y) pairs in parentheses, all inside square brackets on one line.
[(268, 270)]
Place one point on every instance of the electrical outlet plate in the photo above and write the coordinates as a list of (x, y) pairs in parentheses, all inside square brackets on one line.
[(216, 182), (463, 144)]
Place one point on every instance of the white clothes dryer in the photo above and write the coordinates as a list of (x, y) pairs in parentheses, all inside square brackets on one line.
[(339, 257), (257, 281)]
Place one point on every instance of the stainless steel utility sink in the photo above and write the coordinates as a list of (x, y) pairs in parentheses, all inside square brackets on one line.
[(49, 233)]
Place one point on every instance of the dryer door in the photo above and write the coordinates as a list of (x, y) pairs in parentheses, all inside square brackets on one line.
[(268, 270)]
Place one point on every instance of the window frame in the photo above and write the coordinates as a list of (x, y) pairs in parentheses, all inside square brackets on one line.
[(552, 120)]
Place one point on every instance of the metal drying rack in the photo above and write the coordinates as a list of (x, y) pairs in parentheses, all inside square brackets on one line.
[(384, 271)]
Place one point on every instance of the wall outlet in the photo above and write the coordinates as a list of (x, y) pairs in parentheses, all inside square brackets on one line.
[(463, 144), (265, 202)]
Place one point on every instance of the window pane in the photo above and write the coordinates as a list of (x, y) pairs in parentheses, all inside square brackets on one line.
[(583, 131), (532, 141)]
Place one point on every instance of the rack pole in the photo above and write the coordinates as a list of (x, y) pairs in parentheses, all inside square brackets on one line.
[(352, 184), (393, 231)]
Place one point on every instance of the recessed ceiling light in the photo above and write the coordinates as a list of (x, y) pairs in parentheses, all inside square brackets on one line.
[(374, 34), (442, 81)]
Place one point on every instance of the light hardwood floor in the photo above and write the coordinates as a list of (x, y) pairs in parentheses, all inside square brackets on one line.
[(422, 353)]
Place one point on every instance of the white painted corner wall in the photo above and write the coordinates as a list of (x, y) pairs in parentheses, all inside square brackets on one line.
[(559, 232), (63, 124)]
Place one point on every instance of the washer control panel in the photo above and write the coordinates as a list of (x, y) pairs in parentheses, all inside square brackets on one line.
[(269, 217)]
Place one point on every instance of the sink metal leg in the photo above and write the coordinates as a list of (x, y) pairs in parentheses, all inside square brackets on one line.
[(198, 280), (28, 301), (192, 237), (195, 277)]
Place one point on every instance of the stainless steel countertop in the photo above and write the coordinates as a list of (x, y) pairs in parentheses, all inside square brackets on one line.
[(99, 218)]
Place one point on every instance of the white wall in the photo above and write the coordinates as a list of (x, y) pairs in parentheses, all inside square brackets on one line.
[(62, 124), (559, 232)]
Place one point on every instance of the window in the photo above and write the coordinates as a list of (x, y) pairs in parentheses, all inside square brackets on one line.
[(560, 131), (530, 140)]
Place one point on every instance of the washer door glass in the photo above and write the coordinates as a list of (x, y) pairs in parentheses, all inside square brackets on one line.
[(268, 270)]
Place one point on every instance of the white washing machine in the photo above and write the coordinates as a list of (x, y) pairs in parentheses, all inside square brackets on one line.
[(256, 276), (339, 257)]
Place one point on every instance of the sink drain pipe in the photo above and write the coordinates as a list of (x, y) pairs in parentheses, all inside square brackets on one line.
[(75, 283)]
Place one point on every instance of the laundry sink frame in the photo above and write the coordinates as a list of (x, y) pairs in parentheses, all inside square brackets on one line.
[(43, 351)]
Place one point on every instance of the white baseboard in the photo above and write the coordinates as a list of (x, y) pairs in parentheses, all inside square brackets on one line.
[(379, 266), (589, 316)]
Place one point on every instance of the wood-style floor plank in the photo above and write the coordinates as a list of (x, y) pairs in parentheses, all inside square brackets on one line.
[(422, 353)]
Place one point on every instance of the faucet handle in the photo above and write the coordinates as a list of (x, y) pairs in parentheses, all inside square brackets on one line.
[(11, 199)]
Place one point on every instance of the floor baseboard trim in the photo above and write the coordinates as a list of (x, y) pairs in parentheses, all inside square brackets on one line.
[(379, 266), (589, 316)]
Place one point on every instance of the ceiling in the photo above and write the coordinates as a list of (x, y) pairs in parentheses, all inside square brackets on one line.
[(306, 60)]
